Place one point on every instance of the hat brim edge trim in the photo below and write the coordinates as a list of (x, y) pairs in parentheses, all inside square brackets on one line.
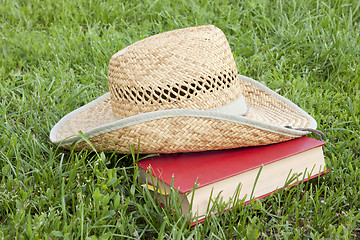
[(313, 123), (144, 117), (68, 116)]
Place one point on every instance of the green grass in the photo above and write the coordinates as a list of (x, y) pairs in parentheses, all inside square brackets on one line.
[(54, 57)]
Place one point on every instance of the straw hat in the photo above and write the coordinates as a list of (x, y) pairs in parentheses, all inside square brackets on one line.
[(180, 91)]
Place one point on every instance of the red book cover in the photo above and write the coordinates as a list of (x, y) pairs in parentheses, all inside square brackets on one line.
[(212, 166)]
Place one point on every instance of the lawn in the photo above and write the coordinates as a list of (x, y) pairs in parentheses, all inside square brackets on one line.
[(54, 58)]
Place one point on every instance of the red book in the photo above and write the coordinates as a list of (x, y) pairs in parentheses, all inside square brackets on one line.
[(258, 171)]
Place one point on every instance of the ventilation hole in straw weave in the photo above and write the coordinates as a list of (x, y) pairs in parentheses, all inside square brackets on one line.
[(164, 97), (174, 93), (156, 96), (177, 91), (157, 92), (120, 92), (140, 97), (126, 96), (143, 94), (148, 93)]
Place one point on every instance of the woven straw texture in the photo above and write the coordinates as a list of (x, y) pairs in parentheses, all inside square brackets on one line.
[(182, 134), (186, 134), (173, 70), (189, 68)]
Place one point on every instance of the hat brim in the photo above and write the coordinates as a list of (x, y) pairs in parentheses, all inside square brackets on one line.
[(185, 130)]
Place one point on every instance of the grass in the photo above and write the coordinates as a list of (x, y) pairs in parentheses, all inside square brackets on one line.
[(54, 57)]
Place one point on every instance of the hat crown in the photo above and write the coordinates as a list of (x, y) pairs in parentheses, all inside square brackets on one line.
[(191, 68)]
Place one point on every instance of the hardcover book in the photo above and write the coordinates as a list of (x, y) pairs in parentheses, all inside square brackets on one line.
[(256, 171)]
